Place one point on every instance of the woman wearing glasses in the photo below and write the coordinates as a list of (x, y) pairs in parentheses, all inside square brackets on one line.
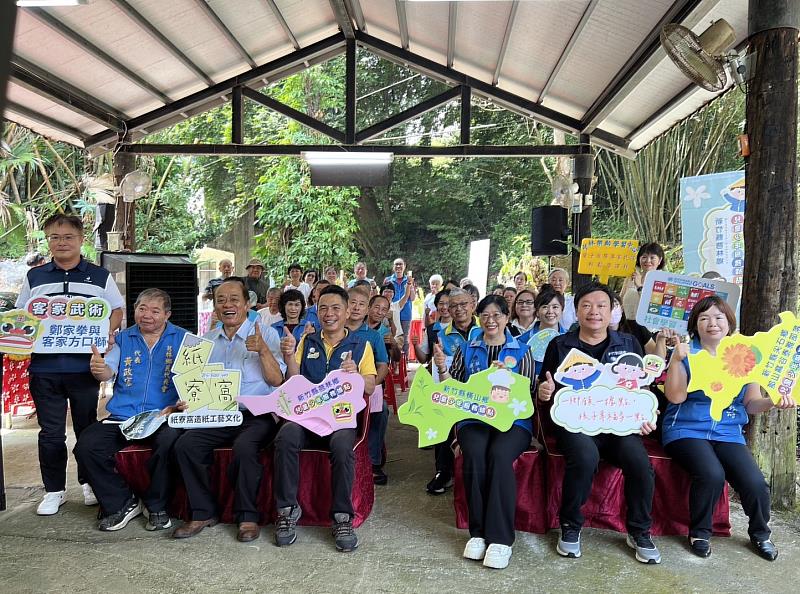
[(523, 315), (489, 454)]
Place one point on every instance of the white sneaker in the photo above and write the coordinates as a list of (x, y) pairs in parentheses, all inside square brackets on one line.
[(50, 503), (475, 549), (88, 495), (497, 556)]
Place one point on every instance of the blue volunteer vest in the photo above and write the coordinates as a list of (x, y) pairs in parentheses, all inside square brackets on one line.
[(314, 365), (476, 359), (144, 381)]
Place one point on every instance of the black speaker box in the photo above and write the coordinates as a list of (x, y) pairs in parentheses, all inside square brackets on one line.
[(549, 231), (173, 273)]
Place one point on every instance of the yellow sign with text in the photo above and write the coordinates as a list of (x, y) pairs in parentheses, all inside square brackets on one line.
[(604, 258), (770, 359)]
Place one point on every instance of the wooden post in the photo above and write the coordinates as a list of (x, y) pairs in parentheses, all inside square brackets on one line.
[(770, 223), (125, 217)]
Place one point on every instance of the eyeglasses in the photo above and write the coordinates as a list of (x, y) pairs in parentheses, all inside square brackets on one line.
[(59, 238), (463, 305), (494, 317), (524, 301)]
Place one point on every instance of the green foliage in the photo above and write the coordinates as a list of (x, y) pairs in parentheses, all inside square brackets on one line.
[(313, 226), (642, 194), (36, 180)]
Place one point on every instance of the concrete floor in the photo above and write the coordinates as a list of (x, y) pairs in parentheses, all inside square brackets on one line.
[(408, 544)]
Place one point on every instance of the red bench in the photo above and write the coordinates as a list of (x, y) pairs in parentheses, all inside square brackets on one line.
[(540, 473), (314, 492)]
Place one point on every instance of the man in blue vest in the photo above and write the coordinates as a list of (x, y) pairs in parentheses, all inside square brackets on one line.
[(58, 379), (316, 355), (141, 359), (358, 300), (400, 281), (455, 334)]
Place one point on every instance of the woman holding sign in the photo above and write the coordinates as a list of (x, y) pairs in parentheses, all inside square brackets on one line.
[(714, 451), (489, 454)]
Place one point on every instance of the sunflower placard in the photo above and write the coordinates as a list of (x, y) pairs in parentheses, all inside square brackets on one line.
[(770, 359)]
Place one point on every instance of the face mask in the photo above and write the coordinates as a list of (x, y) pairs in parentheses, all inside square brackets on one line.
[(616, 315)]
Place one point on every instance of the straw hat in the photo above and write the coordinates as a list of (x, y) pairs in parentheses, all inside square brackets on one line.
[(254, 262)]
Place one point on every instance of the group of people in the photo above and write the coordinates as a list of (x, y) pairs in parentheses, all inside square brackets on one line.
[(312, 326)]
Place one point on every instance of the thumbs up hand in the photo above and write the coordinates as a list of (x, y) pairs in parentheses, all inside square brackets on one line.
[(97, 364), (546, 388), (288, 344), (309, 328), (348, 364), (439, 358), (255, 342)]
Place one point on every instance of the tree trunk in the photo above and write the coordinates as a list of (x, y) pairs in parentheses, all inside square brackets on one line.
[(770, 231)]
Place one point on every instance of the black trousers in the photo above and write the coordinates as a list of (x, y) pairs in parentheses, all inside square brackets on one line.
[(443, 454), (290, 440), (710, 463), (489, 479), (582, 454), (194, 452), (51, 392), (96, 450)]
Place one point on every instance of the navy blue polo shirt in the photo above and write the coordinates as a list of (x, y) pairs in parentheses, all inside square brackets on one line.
[(84, 280)]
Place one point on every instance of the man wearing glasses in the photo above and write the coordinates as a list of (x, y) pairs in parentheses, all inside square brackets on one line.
[(60, 378), (455, 334)]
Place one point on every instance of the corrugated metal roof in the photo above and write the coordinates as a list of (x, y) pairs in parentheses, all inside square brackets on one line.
[(80, 72)]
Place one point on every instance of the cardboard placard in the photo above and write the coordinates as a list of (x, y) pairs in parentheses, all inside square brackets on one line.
[(610, 398), (712, 216), (770, 359), (208, 389), (323, 408), (57, 324), (539, 341), (667, 299), (494, 396), (608, 257), (142, 425)]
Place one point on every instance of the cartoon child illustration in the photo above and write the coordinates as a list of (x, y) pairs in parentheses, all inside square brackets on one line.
[(734, 195), (630, 372), (501, 381), (578, 371)]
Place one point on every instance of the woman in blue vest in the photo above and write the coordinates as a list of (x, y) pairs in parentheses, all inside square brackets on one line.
[(714, 451), (292, 307), (489, 454)]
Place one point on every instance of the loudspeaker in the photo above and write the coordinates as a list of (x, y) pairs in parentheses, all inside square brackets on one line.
[(173, 273), (549, 231)]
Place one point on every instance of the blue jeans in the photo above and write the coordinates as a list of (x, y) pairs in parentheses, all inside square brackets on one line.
[(378, 422)]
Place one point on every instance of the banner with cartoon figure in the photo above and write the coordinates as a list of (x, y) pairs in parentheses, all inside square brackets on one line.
[(495, 396), (208, 389), (608, 257), (667, 298), (322, 408), (610, 398), (712, 212), (770, 359), (58, 324)]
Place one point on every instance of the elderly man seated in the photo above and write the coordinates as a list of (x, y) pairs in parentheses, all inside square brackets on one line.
[(141, 359)]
